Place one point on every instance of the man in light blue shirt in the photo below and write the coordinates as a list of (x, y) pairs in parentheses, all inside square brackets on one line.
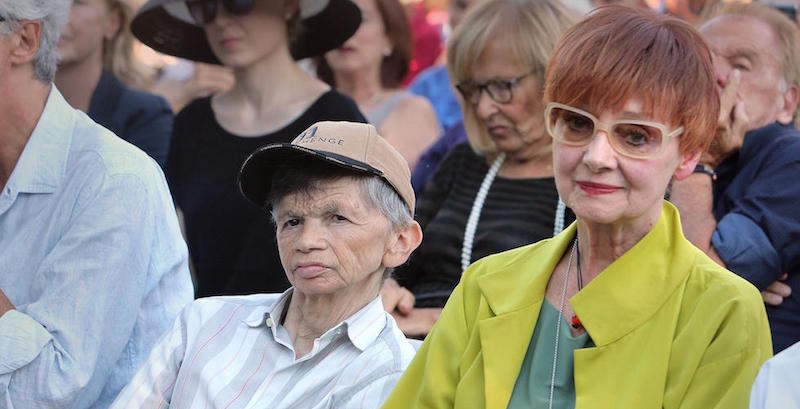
[(92, 265)]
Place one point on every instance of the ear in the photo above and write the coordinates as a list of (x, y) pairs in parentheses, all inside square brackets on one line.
[(26, 42), (687, 165), (404, 242), (790, 100), (113, 23)]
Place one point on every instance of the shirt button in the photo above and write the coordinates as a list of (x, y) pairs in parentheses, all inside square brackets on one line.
[(269, 322)]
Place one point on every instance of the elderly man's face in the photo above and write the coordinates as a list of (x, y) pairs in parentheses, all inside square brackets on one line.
[(332, 239), (749, 45)]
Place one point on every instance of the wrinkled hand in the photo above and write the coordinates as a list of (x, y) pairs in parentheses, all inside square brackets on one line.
[(418, 322), (776, 292), (731, 125), (396, 299), (5, 303), (209, 79)]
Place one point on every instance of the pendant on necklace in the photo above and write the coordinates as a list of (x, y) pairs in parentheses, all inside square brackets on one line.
[(576, 323)]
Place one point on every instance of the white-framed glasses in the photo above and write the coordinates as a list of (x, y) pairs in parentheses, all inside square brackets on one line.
[(629, 137)]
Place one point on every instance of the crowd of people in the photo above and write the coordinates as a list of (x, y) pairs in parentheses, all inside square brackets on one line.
[(571, 208)]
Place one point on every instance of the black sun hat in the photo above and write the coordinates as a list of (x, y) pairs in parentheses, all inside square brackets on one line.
[(167, 27)]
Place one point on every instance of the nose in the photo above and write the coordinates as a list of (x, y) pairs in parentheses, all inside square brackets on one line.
[(222, 16), (599, 155), (486, 106), (312, 237), (722, 73)]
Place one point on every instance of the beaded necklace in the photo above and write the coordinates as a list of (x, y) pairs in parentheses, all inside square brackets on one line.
[(477, 206)]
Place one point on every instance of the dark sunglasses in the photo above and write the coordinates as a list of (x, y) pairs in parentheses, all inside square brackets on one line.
[(205, 11)]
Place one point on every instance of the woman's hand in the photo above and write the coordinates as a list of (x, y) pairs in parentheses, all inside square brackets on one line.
[(418, 322), (399, 302), (396, 298)]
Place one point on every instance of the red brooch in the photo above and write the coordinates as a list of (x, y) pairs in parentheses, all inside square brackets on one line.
[(576, 323)]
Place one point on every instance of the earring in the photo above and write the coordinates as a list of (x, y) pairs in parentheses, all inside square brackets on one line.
[(387, 52)]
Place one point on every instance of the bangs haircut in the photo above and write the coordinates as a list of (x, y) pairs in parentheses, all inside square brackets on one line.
[(618, 53), (528, 29)]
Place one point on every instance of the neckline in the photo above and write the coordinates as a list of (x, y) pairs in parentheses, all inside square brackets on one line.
[(301, 118), (477, 207), (553, 310)]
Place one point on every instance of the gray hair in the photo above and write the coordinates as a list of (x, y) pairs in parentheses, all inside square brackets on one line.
[(375, 191), (52, 14)]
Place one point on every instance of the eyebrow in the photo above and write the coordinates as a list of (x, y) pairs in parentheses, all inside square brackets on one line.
[(744, 52)]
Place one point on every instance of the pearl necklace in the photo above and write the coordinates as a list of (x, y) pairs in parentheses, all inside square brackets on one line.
[(561, 311), (477, 206)]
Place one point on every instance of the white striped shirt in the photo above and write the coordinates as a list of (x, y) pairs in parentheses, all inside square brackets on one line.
[(232, 353)]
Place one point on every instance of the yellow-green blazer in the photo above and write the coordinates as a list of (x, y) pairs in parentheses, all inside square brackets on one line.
[(672, 329)]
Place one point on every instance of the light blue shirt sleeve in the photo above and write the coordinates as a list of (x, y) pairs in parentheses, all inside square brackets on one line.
[(91, 257), (73, 333)]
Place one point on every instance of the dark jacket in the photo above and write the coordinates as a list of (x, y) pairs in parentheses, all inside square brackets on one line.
[(757, 207), (141, 118)]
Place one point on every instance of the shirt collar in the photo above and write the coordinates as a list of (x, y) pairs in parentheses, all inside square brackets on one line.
[(362, 328), (756, 139), (42, 165), (366, 324), (269, 316)]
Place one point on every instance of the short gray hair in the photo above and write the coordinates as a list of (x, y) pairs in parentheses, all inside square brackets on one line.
[(52, 14), (375, 191)]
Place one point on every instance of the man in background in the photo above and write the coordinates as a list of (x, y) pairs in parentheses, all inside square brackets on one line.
[(752, 225)]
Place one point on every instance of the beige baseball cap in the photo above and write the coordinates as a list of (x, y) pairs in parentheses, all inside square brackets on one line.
[(351, 145)]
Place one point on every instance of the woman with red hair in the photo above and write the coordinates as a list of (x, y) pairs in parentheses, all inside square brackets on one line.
[(619, 310)]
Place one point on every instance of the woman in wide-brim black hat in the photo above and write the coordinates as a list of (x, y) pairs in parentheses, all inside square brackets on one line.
[(231, 241)]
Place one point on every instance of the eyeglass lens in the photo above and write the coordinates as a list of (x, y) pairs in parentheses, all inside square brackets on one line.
[(628, 138), (499, 91), (205, 11)]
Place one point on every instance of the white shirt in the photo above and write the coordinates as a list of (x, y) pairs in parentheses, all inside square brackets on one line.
[(778, 383), (232, 352), (91, 256)]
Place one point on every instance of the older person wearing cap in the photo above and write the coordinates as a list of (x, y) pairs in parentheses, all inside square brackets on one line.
[(342, 203), (272, 100)]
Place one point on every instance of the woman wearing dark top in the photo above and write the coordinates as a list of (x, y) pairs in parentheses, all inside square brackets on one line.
[(96, 67), (498, 192), (232, 241)]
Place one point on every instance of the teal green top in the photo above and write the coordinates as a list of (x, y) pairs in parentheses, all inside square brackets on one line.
[(532, 388)]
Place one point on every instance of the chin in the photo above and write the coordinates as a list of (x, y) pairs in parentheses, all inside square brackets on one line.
[(596, 216), (593, 211)]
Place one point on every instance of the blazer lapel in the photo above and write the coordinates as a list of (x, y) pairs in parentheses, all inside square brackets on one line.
[(514, 294), (504, 341)]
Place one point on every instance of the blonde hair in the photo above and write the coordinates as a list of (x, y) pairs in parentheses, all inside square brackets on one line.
[(118, 54), (529, 28), (786, 33)]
